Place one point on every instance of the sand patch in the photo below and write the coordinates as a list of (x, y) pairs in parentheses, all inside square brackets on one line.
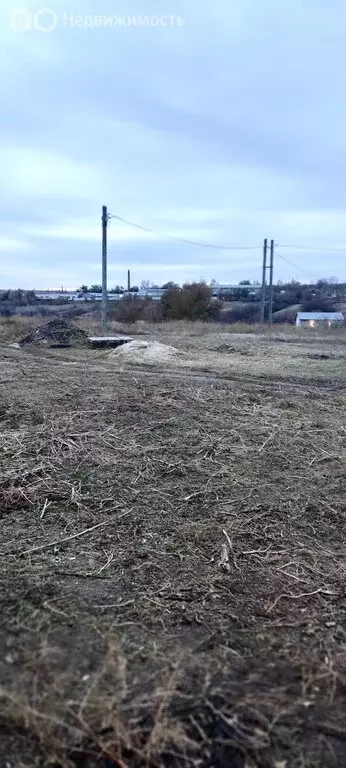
[(146, 352)]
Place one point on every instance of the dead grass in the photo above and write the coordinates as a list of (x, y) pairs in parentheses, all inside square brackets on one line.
[(13, 328), (172, 560)]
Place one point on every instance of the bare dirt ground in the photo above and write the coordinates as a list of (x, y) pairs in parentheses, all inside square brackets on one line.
[(172, 573)]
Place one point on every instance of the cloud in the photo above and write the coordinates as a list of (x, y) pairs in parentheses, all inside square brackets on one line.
[(9, 246), (40, 173), (227, 129)]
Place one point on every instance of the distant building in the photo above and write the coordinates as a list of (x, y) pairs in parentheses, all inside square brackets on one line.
[(219, 290), (152, 293), (75, 296), (143, 293), (314, 319), (54, 295)]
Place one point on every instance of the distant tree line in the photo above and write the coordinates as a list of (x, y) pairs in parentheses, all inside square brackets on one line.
[(145, 285), (10, 301), (98, 289), (197, 300), (19, 297)]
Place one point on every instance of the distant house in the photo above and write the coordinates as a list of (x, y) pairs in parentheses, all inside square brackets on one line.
[(319, 318)]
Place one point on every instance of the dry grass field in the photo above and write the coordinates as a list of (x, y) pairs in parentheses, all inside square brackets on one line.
[(172, 572)]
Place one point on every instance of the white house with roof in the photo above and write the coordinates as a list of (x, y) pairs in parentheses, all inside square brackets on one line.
[(313, 319)]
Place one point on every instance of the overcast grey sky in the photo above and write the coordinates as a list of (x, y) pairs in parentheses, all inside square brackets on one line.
[(225, 127)]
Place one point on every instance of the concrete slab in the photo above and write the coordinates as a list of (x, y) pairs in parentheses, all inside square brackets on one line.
[(109, 342)]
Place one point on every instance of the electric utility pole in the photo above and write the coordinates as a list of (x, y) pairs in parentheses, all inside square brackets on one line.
[(271, 271), (263, 294), (104, 265)]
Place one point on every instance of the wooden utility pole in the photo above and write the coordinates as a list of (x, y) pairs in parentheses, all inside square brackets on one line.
[(128, 280), (104, 265), (263, 294), (271, 272)]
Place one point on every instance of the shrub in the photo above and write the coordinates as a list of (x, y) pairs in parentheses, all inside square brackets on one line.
[(128, 310), (152, 311), (249, 313), (318, 304), (131, 308), (285, 317), (192, 302)]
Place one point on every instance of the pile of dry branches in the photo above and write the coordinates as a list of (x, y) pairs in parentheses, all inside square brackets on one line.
[(58, 332)]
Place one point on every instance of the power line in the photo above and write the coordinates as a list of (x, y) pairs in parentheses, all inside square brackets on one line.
[(296, 266), (229, 247), (224, 247), (187, 242), (312, 248)]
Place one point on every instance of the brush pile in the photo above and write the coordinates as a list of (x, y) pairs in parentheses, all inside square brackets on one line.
[(57, 332)]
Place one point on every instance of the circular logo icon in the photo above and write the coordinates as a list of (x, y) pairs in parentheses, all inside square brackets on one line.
[(21, 20), (45, 20)]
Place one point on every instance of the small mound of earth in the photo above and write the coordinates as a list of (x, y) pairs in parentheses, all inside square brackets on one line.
[(318, 357), (228, 349), (57, 332), (146, 352), (225, 348)]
